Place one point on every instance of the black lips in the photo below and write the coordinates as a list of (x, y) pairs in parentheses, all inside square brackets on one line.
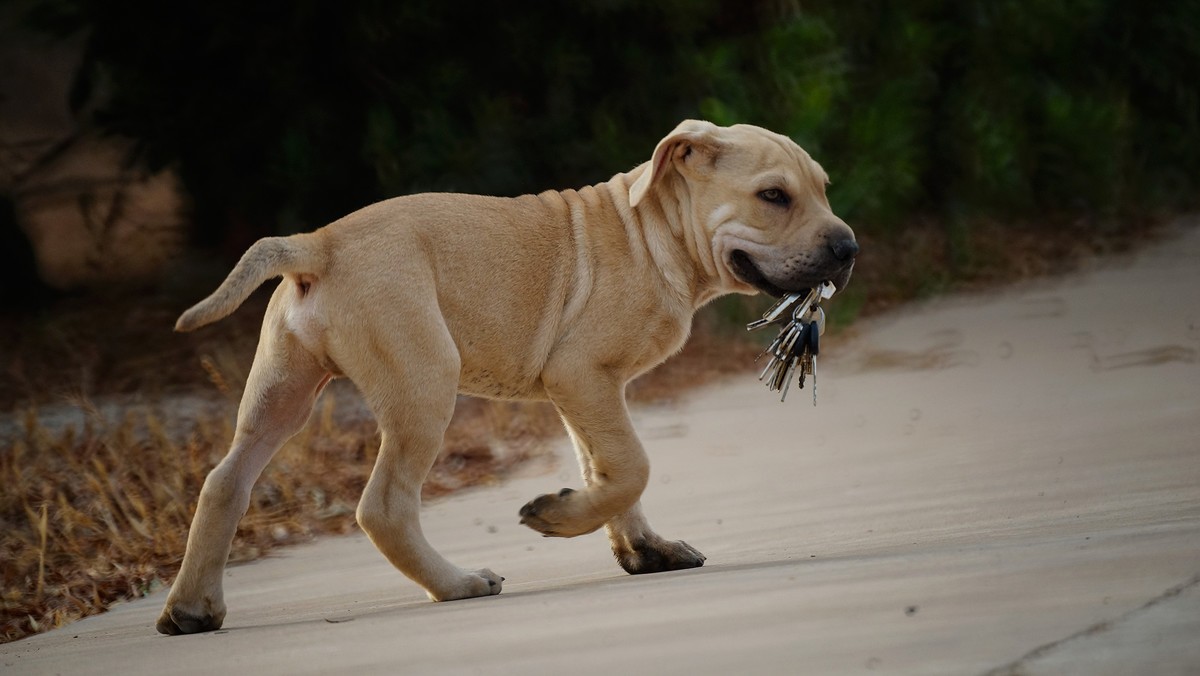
[(749, 273)]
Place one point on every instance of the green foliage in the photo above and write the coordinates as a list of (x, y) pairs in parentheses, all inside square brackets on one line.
[(283, 115)]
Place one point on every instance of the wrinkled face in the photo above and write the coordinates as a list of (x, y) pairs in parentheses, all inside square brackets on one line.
[(759, 200), (766, 214)]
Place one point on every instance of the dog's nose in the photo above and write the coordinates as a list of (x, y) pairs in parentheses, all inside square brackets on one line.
[(844, 249)]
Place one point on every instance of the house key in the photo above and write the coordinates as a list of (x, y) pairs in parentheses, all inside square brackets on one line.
[(780, 310), (796, 347)]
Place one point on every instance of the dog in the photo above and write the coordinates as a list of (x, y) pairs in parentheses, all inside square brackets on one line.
[(560, 296)]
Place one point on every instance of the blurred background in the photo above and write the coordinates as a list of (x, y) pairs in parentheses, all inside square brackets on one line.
[(133, 132), (145, 144)]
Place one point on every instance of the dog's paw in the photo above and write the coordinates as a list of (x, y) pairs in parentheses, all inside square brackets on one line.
[(656, 556), (482, 582), (562, 514), (175, 620)]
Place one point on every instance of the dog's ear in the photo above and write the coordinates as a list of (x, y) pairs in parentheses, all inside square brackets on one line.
[(690, 138)]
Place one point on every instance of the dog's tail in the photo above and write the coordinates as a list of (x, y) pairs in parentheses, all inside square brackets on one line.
[(267, 258)]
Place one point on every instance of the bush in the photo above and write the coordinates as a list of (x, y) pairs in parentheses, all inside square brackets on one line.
[(281, 116)]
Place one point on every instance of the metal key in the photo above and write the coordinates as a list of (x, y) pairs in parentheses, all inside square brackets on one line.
[(795, 304), (794, 350), (813, 366), (812, 349), (788, 354), (778, 311)]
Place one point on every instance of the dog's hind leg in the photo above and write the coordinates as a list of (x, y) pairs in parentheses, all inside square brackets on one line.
[(410, 380), (283, 384)]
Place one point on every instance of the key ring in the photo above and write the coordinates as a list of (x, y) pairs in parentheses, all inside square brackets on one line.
[(796, 347)]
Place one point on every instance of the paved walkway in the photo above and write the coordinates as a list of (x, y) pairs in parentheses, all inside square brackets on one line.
[(1005, 484)]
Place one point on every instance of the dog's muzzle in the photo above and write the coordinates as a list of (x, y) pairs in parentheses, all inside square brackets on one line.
[(844, 249), (749, 273), (834, 265)]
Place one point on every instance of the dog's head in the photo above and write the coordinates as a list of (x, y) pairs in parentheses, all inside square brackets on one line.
[(757, 200)]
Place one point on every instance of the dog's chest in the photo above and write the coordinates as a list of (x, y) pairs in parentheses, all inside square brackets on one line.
[(485, 382)]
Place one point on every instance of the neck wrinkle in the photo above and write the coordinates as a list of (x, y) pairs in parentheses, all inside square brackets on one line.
[(710, 278), (706, 279), (665, 249)]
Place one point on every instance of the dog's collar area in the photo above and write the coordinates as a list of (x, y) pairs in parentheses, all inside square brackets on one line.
[(748, 272)]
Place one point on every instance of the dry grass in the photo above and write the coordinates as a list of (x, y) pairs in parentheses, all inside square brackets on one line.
[(94, 516)]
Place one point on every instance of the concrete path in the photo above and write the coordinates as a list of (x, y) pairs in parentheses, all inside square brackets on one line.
[(1004, 484)]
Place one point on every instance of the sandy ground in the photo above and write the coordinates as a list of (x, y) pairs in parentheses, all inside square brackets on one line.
[(1007, 484)]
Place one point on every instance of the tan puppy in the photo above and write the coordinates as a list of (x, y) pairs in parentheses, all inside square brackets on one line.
[(564, 296)]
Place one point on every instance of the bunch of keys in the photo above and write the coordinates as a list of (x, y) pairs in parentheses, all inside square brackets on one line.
[(799, 340)]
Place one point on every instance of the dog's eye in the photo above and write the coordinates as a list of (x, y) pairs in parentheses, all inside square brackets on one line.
[(775, 196)]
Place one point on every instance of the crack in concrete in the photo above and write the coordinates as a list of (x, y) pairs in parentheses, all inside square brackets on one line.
[(1015, 668)]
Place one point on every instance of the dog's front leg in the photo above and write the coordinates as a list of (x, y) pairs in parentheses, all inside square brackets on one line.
[(593, 409)]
